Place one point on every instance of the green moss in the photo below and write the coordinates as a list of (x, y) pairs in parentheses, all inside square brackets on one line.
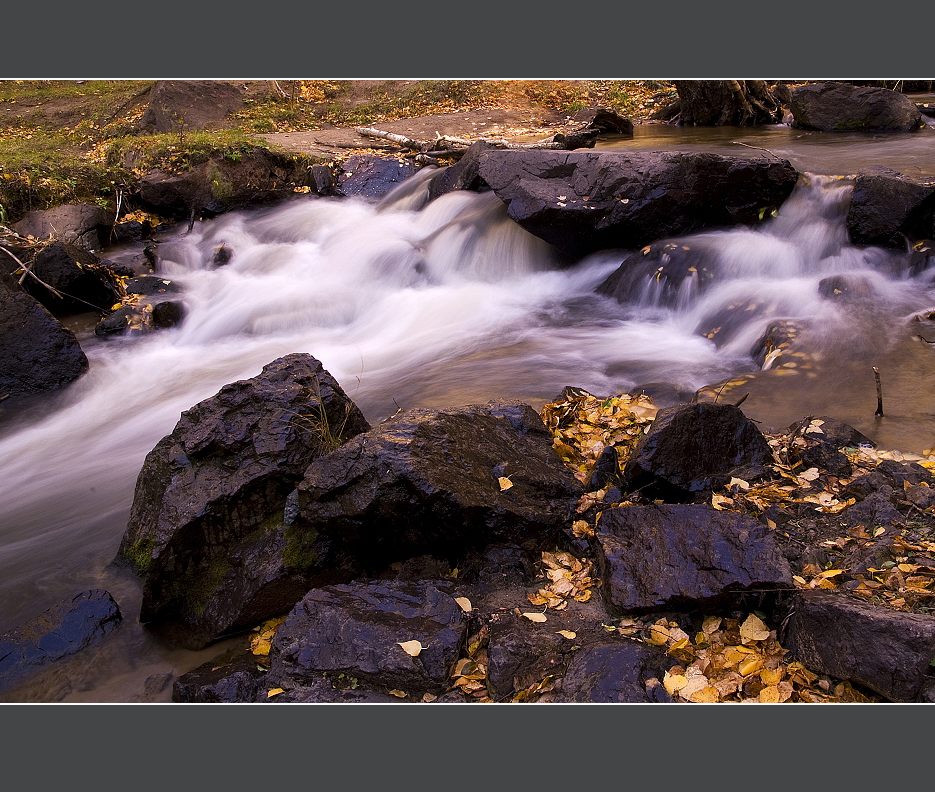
[(300, 552), (140, 554)]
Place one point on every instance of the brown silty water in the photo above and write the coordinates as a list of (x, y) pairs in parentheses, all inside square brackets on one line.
[(416, 304)]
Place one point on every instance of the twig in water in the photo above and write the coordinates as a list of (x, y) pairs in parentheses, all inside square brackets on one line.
[(741, 400), (758, 148), (876, 376)]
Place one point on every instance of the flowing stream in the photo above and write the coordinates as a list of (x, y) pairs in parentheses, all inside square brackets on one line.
[(413, 304)]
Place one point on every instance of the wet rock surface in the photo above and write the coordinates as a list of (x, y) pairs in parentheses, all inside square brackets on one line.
[(615, 671), (355, 629), (691, 448), (61, 631), (888, 208), (428, 482), (239, 680), (37, 354), (684, 556), (882, 649), (586, 201), (82, 283), (840, 107), (204, 527), (364, 176)]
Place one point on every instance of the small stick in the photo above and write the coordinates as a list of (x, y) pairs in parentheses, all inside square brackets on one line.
[(742, 399), (758, 148), (876, 376)]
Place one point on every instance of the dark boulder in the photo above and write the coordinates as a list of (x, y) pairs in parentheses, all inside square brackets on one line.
[(118, 322), (586, 201), (840, 107), (522, 654), (887, 208), (205, 526), (84, 225), (616, 671), (59, 632), (356, 628), (364, 176), (179, 105), (169, 313), (220, 184), (463, 175), (604, 120), (322, 177), (692, 448), (888, 476), (223, 255), (662, 556), (83, 283), (37, 354), (151, 285), (325, 691), (426, 482), (239, 680), (885, 650)]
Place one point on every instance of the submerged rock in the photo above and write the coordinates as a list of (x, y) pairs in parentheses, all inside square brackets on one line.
[(427, 482), (840, 107), (690, 449), (659, 557), (59, 632), (586, 201), (205, 525), (37, 354), (356, 628), (885, 650)]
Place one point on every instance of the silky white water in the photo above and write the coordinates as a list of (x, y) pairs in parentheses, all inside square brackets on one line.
[(409, 304)]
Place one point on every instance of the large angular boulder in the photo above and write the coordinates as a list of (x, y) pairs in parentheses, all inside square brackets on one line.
[(586, 201), (237, 681), (463, 175), (668, 556), (363, 176), (887, 208), (62, 631), (428, 482), (356, 629), (616, 671), (841, 107), (205, 526), (824, 437), (185, 105), (37, 354), (888, 651), (692, 448), (82, 282), (84, 225)]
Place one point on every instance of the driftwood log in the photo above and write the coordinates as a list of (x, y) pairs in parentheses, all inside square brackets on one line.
[(429, 152)]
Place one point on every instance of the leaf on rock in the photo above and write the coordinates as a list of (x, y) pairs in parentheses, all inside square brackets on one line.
[(570, 635), (535, 617), (505, 483), (411, 648), (464, 603)]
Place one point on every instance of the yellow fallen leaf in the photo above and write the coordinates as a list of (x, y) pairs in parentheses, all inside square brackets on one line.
[(259, 646), (707, 695), (738, 482), (711, 625), (809, 475), (770, 695), (771, 676), (879, 532), (753, 629), (427, 698), (398, 693), (464, 603), (505, 483), (535, 617), (567, 634), (411, 648), (830, 573), (274, 692), (750, 666), (673, 683), (658, 635), (720, 502)]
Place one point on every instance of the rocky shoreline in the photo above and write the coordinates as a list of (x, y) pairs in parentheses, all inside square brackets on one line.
[(596, 551)]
